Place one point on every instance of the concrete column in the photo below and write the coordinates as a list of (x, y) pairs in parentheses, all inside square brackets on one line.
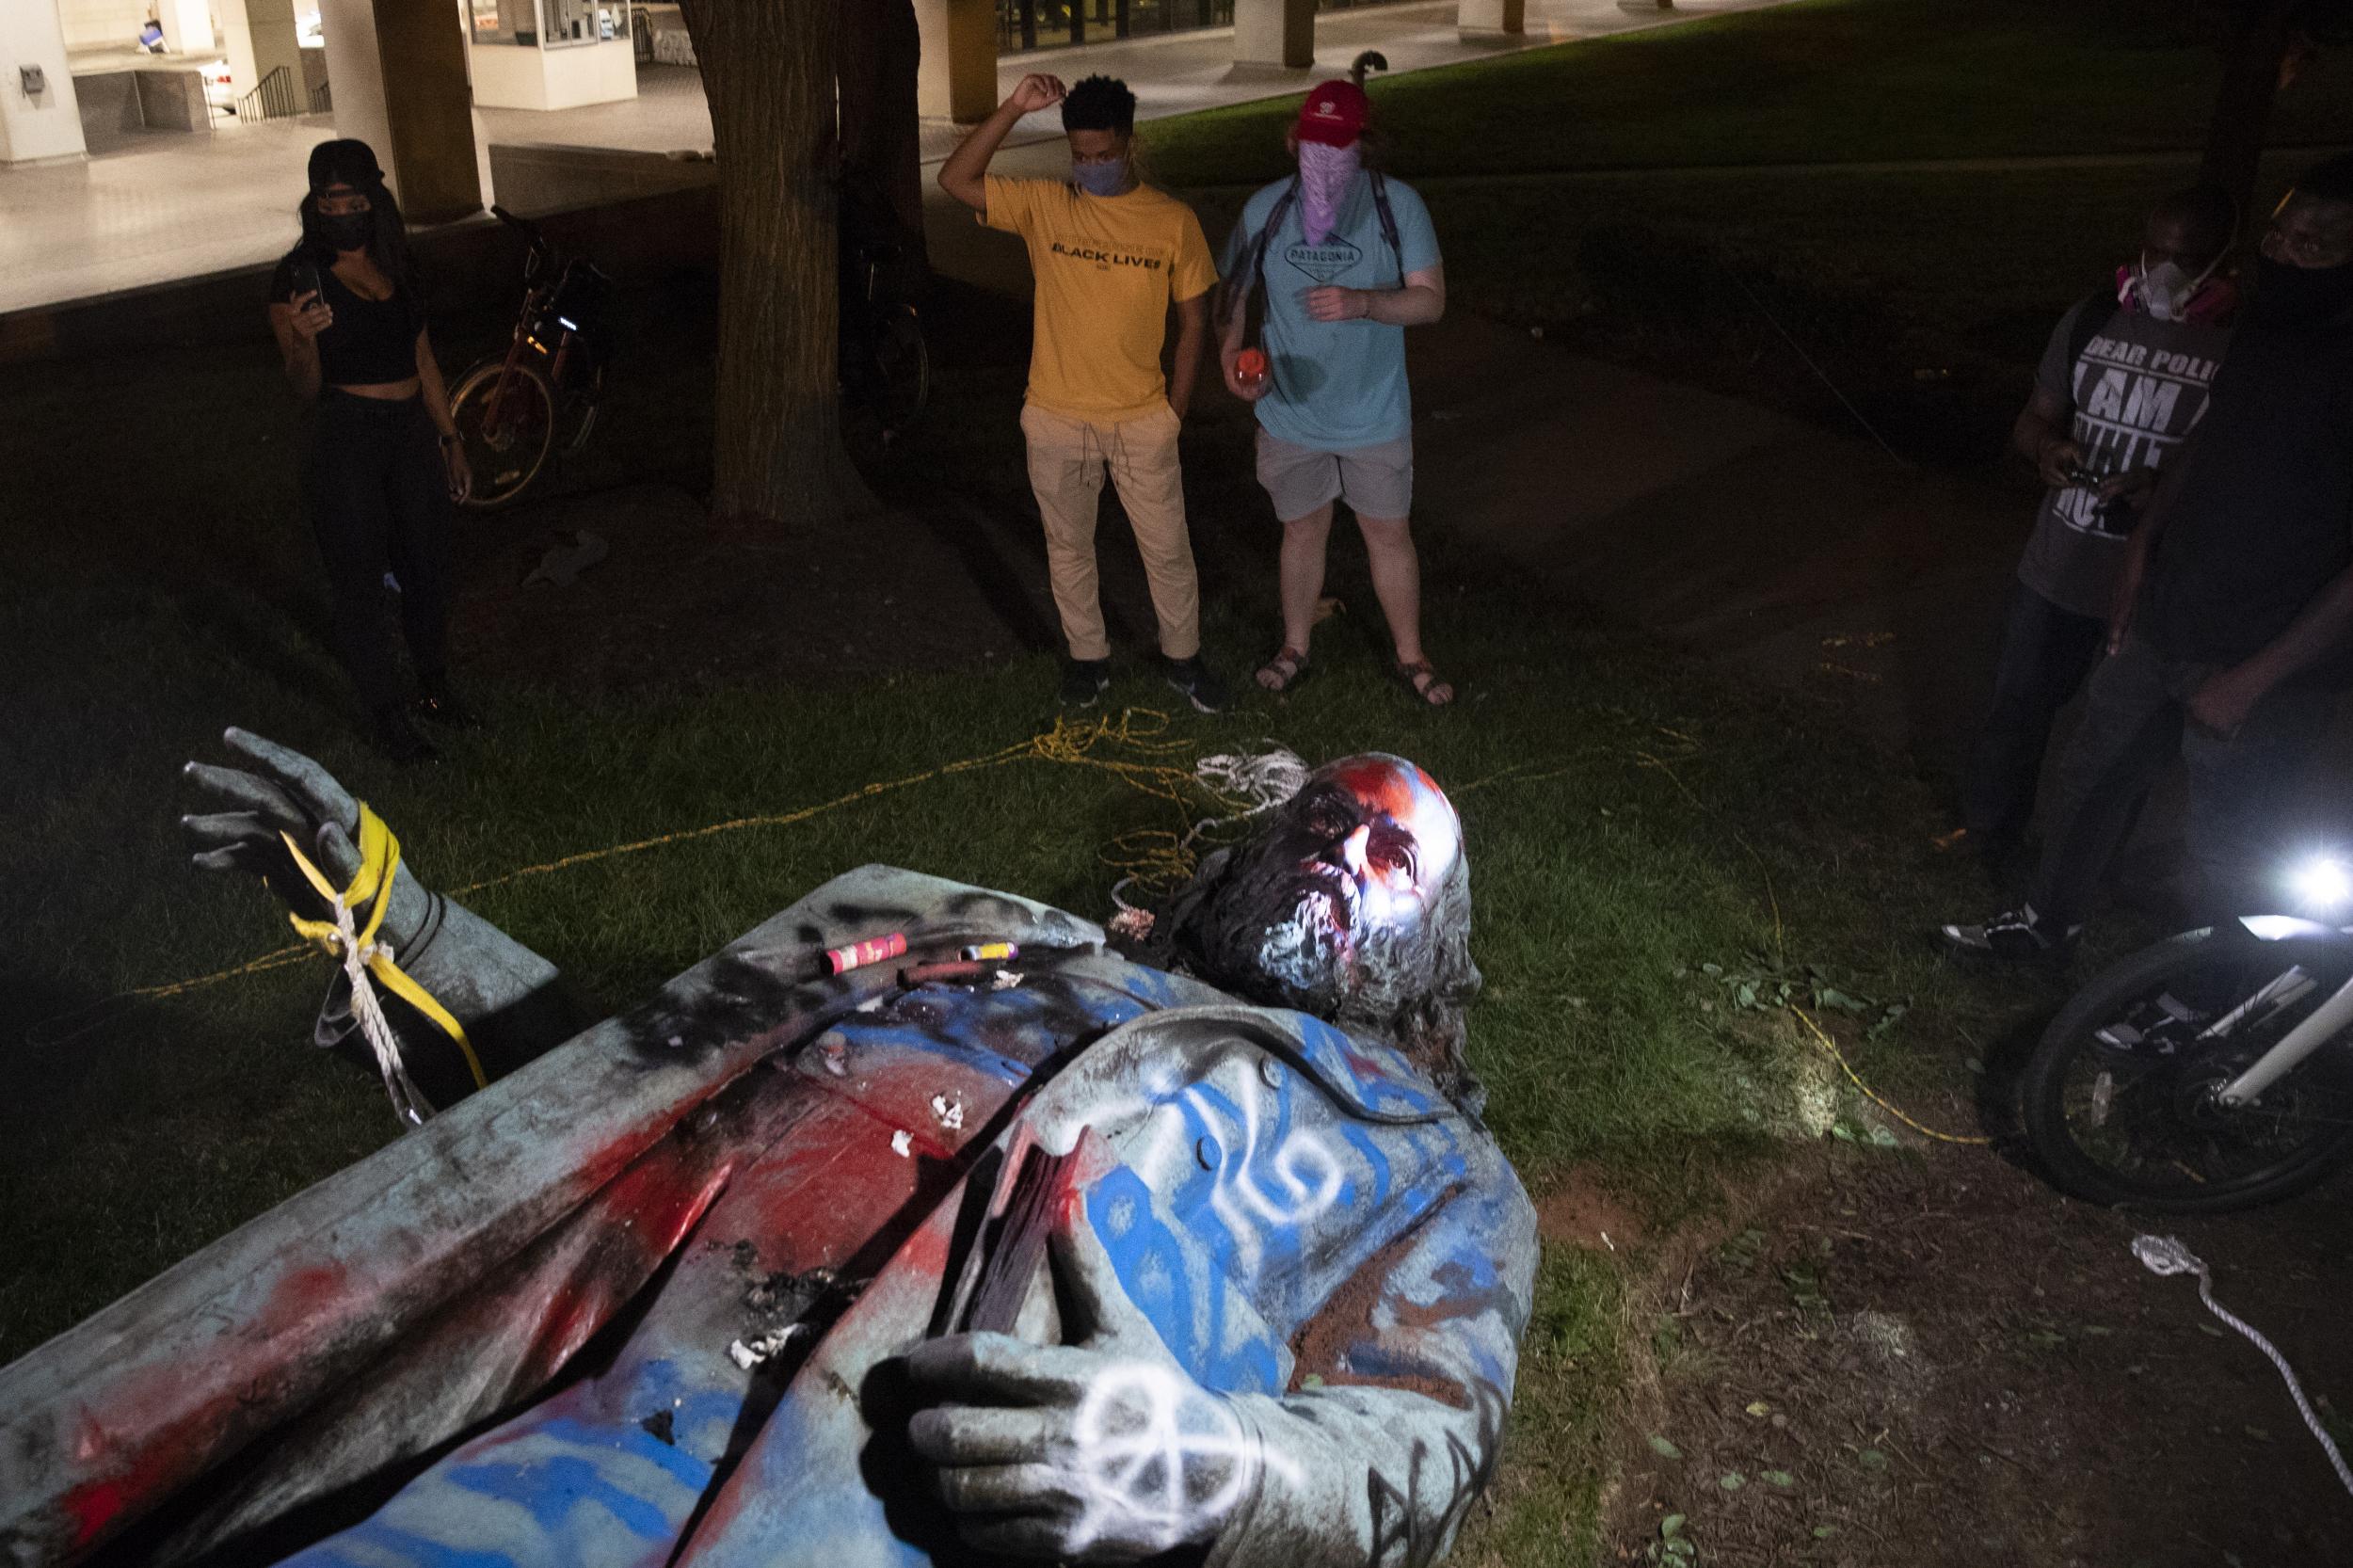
[(1492, 21), (46, 122), (398, 72), (1276, 33), (261, 36), (187, 25), (957, 78)]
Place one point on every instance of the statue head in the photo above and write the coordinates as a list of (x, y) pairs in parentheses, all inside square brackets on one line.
[(1352, 903)]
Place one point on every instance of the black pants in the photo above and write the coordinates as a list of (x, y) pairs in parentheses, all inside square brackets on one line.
[(2046, 652), (2240, 788), (379, 499)]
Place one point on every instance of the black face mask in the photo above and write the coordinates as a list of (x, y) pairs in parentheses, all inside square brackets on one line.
[(2287, 296), (346, 231)]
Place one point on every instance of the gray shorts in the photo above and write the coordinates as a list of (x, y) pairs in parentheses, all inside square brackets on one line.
[(1375, 481)]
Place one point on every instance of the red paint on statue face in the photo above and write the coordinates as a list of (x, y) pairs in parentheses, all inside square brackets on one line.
[(1398, 842)]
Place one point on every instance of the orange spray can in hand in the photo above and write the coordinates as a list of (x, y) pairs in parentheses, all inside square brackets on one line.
[(1250, 366)]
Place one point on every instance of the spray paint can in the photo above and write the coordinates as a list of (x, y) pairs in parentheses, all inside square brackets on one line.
[(992, 952), (858, 955)]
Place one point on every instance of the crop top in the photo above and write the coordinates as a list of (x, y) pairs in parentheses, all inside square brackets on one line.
[(371, 341)]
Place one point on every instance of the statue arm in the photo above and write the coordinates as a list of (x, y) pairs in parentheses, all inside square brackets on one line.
[(1380, 1462), (513, 1004)]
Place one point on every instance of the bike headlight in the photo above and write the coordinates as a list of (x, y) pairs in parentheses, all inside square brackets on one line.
[(2321, 882)]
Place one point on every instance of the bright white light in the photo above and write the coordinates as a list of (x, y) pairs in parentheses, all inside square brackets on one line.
[(2321, 882)]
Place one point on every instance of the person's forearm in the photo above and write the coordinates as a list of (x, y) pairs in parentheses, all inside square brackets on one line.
[(302, 369), (1232, 328), (1183, 373), (436, 394), (2319, 630), (964, 174), (1417, 306), (2031, 434)]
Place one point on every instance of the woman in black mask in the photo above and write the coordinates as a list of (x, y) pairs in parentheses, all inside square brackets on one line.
[(384, 461)]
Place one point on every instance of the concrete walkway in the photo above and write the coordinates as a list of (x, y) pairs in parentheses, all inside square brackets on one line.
[(182, 206)]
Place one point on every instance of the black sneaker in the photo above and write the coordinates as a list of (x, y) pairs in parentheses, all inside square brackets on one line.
[(439, 705), (1083, 680), (397, 739), (1191, 677), (2013, 935), (2157, 1027)]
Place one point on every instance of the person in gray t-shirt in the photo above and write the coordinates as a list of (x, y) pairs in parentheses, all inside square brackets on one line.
[(2121, 384)]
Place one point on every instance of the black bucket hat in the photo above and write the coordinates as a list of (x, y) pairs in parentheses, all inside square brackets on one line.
[(344, 162)]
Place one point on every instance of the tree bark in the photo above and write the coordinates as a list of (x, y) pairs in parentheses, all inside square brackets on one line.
[(2257, 47), (768, 73)]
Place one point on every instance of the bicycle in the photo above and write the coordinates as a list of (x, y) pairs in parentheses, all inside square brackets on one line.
[(509, 409), (885, 366), (2211, 1072)]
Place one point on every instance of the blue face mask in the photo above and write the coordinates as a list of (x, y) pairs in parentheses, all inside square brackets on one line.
[(1101, 179)]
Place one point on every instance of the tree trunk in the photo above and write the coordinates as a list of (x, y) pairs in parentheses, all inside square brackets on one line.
[(2260, 31), (768, 72), (882, 142)]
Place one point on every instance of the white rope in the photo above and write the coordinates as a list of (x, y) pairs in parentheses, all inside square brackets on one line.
[(2163, 1254), (1256, 782), (408, 1101)]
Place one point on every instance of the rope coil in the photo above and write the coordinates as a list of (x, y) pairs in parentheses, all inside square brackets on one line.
[(1251, 782)]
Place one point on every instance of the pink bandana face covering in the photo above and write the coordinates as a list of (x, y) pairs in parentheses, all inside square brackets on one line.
[(1324, 175)]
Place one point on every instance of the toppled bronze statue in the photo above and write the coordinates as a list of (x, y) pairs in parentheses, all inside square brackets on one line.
[(1045, 1252)]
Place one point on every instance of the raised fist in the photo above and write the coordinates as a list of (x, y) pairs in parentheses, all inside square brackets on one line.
[(1038, 92)]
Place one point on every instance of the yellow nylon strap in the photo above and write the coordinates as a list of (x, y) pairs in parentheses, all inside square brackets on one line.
[(371, 889)]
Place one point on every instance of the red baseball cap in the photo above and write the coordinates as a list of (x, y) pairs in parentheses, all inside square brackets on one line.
[(1335, 114)]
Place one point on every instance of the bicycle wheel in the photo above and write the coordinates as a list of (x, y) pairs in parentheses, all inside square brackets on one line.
[(2123, 1094), (902, 369), (507, 454)]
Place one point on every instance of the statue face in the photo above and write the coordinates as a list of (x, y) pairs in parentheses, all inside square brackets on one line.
[(1339, 895), (1375, 838)]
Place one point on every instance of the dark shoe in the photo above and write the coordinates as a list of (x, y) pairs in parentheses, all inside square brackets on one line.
[(2013, 935), (1191, 677), (1083, 680), (397, 739), (2157, 1027), (439, 705)]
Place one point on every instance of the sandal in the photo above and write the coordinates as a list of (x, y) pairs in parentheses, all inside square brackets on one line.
[(1287, 670), (1425, 684)]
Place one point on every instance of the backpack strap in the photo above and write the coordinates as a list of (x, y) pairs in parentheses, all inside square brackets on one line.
[(1252, 277), (1388, 223)]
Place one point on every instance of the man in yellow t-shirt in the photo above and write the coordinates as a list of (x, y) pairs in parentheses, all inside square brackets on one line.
[(1108, 253)]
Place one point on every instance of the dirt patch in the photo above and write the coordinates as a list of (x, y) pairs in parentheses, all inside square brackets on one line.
[(1577, 1211), (1940, 1361)]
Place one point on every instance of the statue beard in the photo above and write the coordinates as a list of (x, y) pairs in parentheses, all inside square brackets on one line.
[(1285, 934)]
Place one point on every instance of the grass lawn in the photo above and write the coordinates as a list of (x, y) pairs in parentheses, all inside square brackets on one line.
[(1657, 849), (1632, 819)]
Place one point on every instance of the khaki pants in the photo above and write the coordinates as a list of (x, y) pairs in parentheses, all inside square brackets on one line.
[(1066, 461)]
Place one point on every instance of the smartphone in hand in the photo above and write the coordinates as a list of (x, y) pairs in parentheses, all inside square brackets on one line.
[(305, 278)]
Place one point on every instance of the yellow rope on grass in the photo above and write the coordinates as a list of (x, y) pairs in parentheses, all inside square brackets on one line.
[(1873, 1095), (1155, 858)]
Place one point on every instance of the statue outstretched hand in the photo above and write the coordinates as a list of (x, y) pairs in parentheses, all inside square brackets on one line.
[(279, 790), (1103, 1449)]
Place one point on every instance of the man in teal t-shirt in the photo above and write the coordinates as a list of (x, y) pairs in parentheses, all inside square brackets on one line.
[(1348, 259)]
